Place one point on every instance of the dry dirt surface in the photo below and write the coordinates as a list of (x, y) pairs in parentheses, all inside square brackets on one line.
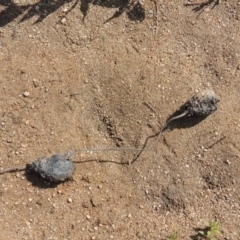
[(102, 74)]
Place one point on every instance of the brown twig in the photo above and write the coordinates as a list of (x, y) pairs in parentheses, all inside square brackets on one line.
[(9, 170), (216, 142)]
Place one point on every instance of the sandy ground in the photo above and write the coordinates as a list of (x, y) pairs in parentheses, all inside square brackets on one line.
[(92, 74)]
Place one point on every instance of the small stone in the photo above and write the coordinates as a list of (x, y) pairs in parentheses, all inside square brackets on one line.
[(164, 18), (69, 200), (227, 162), (35, 83), (63, 20), (88, 216), (26, 94)]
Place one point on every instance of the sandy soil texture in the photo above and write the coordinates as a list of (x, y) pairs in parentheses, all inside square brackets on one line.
[(108, 74)]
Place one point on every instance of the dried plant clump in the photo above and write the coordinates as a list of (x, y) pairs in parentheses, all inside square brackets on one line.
[(204, 103), (57, 168)]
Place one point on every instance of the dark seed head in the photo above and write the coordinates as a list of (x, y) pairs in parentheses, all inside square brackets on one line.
[(204, 103), (57, 168)]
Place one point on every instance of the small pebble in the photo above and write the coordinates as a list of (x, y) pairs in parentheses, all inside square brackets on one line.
[(35, 82), (63, 20), (26, 94), (28, 224), (69, 200), (227, 162)]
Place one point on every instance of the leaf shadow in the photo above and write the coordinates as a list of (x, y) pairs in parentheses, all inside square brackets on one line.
[(44, 8), (199, 7), (198, 235), (11, 12), (135, 11)]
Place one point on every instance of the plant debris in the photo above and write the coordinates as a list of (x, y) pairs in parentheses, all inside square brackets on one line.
[(57, 168), (203, 104)]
